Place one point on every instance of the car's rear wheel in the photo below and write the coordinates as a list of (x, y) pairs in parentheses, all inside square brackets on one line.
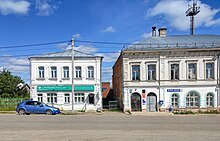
[(49, 112), (21, 112)]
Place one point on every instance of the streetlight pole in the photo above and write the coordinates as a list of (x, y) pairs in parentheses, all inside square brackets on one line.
[(72, 74)]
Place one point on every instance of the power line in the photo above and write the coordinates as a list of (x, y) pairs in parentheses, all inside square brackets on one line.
[(38, 44)]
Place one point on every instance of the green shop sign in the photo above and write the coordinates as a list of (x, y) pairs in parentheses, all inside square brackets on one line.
[(65, 88)]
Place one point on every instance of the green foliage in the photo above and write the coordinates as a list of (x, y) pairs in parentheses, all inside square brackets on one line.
[(9, 104), (8, 84)]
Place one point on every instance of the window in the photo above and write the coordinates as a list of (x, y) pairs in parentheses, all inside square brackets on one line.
[(90, 72), (53, 72), (174, 100), (79, 97), (192, 99), (209, 100), (192, 71), (52, 98), (41, 72), (209, 70), (151, 72), (174, 71), (91, 98), (135, 72), (78, 72), (67, 98), (40, 97), (66, 72)]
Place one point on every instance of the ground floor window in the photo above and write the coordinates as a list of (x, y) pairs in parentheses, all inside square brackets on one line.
[(52, 98), (67, 98), (192, 99), (209, 100), (174, 100), (40, 97), (79, 97)]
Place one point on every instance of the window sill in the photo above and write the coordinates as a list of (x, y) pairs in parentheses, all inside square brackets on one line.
[(77, 78), (52, 78), (90, 78), (40, 78), (65, 78)]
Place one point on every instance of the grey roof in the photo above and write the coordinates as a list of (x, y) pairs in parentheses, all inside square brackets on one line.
[(177, 41), (67, 53)]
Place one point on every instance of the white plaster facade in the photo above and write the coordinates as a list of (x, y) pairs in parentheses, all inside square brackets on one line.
[(163, 87), (57, 90)]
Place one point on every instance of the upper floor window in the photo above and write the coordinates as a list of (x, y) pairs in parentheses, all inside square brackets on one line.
[(135, 72), (174, 71), (209, 70), (90, 72), (151, 72), (192, 69), (78, 72), (41, 72), (53, 72), (66, 72)]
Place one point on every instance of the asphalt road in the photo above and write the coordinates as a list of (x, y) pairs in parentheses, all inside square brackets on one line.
[(109, 127)]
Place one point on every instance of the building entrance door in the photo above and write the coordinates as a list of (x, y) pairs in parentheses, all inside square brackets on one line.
[(151, 102), (135, 102)]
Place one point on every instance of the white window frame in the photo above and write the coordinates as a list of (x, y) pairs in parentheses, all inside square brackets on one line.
[(90, 71), (79, 98), (53, 71), (136, 73), (155, 71), (66, 72), (67, 98), (40, 97), (191, 99), (41, 73), (52, 98), (175, 100), (78, 72), (190, 73), (210, 100), (170, 72), (213, 70)]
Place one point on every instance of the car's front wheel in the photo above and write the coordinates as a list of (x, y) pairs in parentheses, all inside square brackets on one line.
[(49, 112), (21, 112)]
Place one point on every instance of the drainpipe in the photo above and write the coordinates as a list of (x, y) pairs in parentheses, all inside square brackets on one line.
[(159, 81), (218, 79)]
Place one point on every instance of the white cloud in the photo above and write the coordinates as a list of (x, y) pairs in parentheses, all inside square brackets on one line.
[(109, 57), (77, 35), (15, 65), (110, 29), (14, 7), (44, 8), (174, 13), (146, 35), (87, 49)]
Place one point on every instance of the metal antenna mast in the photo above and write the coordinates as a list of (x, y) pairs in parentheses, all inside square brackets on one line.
[(192, 11)]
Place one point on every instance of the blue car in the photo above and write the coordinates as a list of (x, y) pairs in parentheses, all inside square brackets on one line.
[(35, 107)]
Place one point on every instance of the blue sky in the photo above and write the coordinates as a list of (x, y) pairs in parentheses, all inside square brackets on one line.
[(40, 21)]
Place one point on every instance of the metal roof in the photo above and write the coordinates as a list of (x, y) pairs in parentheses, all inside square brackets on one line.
[(177, 41), (67, 53)]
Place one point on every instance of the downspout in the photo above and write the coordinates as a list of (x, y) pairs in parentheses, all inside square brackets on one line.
[(159, 83), (218, 80), (123, 80)]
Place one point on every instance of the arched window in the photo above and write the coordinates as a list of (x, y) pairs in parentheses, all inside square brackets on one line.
[(174, 100), (192, 99), (209, 100)]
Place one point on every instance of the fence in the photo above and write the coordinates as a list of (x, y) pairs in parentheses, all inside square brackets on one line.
[(113, 105), (9, 104)]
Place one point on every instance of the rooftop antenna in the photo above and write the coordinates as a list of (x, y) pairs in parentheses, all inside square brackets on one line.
[(192, 11)]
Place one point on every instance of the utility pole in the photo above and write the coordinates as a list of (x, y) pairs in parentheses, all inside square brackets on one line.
[(73, 96)]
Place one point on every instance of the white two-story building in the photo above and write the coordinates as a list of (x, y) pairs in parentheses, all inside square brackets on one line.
[(51, 80), (179, 71)]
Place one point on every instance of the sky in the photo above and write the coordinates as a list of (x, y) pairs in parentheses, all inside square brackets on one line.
[(27, 22)]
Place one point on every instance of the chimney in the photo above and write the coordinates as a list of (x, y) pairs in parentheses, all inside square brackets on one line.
[(154, 31), (162, 32)]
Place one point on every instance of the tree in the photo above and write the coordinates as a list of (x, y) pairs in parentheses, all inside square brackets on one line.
[(8, 84)]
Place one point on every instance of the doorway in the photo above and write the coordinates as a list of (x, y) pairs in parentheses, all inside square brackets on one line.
[(151, 102), (135, 102)]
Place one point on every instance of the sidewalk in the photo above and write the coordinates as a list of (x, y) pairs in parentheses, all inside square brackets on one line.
[(144, 113)]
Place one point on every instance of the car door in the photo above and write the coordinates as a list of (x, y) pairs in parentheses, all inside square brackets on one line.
[(40, 108), (30, 107)]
